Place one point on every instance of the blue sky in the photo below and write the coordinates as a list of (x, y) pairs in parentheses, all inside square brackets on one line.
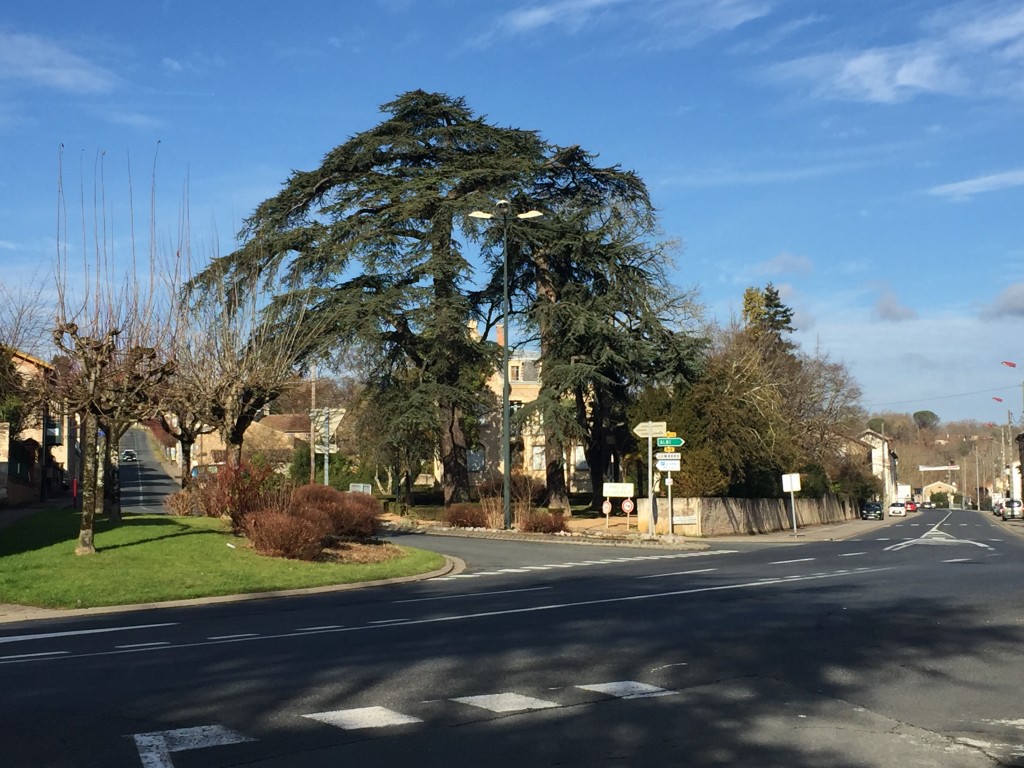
[(866, 157)]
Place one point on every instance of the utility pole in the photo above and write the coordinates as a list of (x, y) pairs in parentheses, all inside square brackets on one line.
[(312, 425)]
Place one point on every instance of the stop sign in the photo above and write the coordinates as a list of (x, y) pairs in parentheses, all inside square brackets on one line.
[(627, 505)]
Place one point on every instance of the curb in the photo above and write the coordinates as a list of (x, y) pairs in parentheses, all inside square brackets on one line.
[(17, 613)]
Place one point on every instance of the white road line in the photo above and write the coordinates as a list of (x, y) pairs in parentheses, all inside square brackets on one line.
[(677, 573), (46, 635), (155, 748), (319, 629), (143, 645), (852, 554), (506, 702), (233, 637), (363, 717), (33, 655), (958, 560), (471, 594), (787, 562)]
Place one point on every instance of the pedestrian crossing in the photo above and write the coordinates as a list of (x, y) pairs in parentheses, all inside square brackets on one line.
[(584, 564), (505, 702)]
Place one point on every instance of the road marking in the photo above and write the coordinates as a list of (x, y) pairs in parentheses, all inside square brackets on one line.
[(241, 636), (319, 629), (33, 655), (47, 635), (155, 748), (470, 594), (142, 645), (506, 702), (852, 554), (678, 573), (363, 717), (959, 560), (628, 689), (787, 562)]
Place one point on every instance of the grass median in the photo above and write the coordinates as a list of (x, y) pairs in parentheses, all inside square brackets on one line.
[(155, 558)]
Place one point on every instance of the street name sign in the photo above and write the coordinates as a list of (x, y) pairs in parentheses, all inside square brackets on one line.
[(667, 455), (675, 442)]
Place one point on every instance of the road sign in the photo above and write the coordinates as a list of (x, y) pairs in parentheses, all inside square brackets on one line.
[(667, 455), (673, 441), (650, 429), (666, 465), (627, 505), (617, 490), (606, 507)]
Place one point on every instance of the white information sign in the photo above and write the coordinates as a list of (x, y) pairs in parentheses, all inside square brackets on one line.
[(617, 490), (667, 465), (651, 429)]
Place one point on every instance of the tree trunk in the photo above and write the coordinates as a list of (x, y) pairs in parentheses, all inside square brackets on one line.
[(112, 503), (454, 469), (85, 532), (186, 461), (558, 491)]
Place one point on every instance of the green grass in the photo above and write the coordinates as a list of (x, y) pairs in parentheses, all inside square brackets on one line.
[(154, 558)]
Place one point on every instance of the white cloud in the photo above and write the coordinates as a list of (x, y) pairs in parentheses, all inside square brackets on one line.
[(1009, 303), (888, 308), (40, 62), (963, 190)]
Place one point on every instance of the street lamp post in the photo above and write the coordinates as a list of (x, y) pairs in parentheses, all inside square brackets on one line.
[(503, 211)]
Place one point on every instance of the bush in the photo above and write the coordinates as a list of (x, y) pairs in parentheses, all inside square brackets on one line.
[(541, 522), (276, 533), (185, 503), (237, 492), (466, 515), (350, 515), (522, 489)]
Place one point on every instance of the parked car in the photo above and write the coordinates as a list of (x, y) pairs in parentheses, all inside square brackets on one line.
[(872, 511), (927, 505), (910, 505), (897, 509), (129, 455), (1013, 509)]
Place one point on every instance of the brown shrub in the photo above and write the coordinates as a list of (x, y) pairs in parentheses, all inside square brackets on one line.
[(351, 515), (540, 522), (465, 515), (276, 533), (522, 489), (185, 503), (238, 492)]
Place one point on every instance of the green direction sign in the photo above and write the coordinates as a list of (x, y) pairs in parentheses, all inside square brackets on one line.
[(669, 441)]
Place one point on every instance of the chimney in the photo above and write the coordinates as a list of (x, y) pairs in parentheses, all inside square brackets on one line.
[(501, 335)]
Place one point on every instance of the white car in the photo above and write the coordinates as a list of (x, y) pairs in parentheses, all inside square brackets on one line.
[(897, 509)]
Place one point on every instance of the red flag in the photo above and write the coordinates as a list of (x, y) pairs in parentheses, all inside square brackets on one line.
[(998, 399), (1009, 364)]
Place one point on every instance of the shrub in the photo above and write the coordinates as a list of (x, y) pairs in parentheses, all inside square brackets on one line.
[(522, 489), (465, 515), (239, 491), (276, 533), (185, 503), (541, 522), (351, 515)]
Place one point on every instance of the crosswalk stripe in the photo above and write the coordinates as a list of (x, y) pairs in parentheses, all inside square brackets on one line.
[(363, 717), (627, 689), (506, 702)]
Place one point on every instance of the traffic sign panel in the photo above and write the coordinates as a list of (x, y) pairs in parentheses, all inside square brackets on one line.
[(666, 465), (667, 455), (627, 505), (650, 428), (673, 441), (606, 507)]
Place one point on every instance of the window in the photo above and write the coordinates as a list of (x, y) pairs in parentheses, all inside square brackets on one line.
[(514, 375), (475, 460), (537, 458)]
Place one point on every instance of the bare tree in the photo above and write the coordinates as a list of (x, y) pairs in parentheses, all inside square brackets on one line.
[(107, 322)]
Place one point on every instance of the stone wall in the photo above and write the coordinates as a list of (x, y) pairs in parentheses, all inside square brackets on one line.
[(726, 516)]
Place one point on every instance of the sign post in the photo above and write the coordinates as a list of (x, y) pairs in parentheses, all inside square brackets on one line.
[(616, 491), (651, 430), (791, 483)]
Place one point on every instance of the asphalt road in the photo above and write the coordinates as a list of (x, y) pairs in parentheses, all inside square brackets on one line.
[(902, 647), (144, 483)]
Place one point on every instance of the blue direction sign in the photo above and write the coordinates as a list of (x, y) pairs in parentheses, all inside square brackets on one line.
[(669, 441)]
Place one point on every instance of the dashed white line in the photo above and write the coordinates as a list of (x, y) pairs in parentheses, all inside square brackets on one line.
[(144, 645), (787, 562), (678, 573), (852, 554)]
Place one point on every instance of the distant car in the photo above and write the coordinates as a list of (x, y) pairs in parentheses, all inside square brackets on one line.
[(872, 511), (1013, 509), (927, 505), (129, 455), (897, 509), (910, 506)]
